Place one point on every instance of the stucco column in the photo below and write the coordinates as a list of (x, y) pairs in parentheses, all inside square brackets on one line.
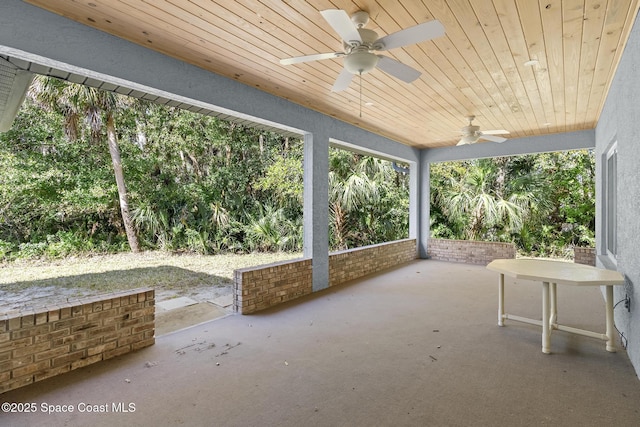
[(316, 207), (414, 203), (423, 196)]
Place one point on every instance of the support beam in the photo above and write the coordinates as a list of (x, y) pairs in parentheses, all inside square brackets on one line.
[(316, 207), (415, 197), (578, 140), (424, 204)]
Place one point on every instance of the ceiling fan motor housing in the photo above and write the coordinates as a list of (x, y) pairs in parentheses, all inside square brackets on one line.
[(473, 130), (360, 59), (368, 37)]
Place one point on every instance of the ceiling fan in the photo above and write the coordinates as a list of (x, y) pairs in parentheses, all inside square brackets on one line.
[(360, 45), (472, 134)]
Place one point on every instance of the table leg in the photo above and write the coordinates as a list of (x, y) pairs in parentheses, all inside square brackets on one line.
[(611, 345), (546, 331), (554, 306), (501, 300)]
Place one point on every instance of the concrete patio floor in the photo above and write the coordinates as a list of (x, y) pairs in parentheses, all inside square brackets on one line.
[(415, 346)]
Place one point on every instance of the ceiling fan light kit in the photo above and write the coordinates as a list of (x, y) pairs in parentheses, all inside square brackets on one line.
[(360, 62)]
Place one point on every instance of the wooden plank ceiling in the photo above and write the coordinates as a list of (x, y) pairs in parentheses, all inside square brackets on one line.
[(477, 68)]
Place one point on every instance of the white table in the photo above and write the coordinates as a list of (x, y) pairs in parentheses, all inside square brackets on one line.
[(551, 273)]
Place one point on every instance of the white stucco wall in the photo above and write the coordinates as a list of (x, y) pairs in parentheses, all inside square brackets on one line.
[(619, 121)]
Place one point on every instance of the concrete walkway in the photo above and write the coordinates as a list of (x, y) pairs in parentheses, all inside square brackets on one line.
[(416, 346)]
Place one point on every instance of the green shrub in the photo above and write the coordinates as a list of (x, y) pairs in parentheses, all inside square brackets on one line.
[(7, 250)]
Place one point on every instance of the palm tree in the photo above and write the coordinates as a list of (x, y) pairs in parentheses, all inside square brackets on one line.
[(351, 193), (481, 200), (76, 102)]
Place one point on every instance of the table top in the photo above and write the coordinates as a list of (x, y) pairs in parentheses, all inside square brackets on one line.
[(560, 272)]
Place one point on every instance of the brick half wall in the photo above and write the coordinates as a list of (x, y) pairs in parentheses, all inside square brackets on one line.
[(36, 345), (258, 288), (584, 256), (264, 286), (352, 264), (469, 251)]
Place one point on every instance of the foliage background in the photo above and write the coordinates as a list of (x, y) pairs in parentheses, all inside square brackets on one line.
[(195, 183), (203, 185), (544, 203)]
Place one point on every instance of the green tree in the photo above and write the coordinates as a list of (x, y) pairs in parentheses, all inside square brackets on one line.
[(194, 183), (544, 203), (368, 200), (475, 201), (98, 108)]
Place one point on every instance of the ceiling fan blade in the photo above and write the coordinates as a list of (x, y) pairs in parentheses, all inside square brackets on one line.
[(498, 139), (461, 142), (342, 82), (398, 69), (308, 58), (416, 34), (342, 24), (496, 132)]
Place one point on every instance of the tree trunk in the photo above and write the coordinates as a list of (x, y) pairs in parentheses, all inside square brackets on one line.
[(114, 150)]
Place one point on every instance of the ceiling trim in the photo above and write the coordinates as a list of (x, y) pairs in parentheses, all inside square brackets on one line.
[(14, 84)]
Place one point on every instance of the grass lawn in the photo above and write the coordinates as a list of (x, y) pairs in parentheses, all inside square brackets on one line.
[(33, 284)]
